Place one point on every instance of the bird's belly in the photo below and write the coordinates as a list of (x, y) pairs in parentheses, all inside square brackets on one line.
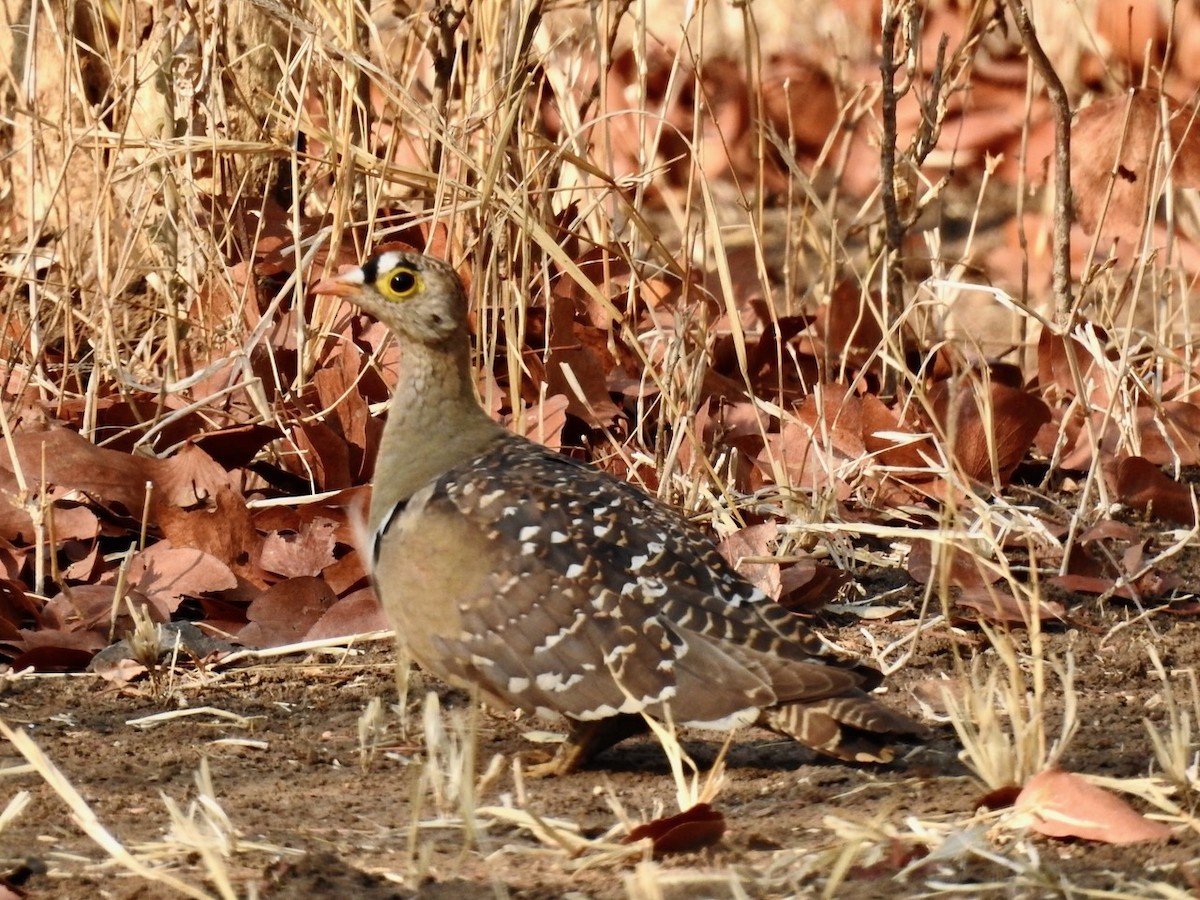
[(422, 592)]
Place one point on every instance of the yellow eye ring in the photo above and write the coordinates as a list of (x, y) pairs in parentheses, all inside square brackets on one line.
[(403, 282)]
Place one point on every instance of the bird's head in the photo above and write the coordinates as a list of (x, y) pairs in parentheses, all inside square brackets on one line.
[(417, 296)]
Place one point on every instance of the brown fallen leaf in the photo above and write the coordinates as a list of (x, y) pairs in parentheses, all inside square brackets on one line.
[(357, 613), (283, 614), (222, 527), (754, 541), (978, 418), (1143, 486), (305, 553), (807, 585), (63, 457), (1001, 798), (699, 826), (1064, 805), (166, 574), (965, 569), (996, 604), (1115, 146)]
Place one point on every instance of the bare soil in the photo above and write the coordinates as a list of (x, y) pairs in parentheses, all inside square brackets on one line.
[(325, 825)]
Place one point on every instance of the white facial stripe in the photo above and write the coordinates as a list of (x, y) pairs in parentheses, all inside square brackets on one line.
[(387, 261)]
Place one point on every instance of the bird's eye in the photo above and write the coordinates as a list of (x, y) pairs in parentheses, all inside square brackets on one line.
[(403, 282)]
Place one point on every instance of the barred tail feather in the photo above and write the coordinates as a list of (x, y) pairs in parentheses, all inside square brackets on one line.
[(851, 727)]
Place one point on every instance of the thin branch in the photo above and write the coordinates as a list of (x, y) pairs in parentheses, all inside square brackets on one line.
[(1063, 201)]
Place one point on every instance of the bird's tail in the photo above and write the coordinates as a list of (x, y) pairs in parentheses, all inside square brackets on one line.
[(851, 727)]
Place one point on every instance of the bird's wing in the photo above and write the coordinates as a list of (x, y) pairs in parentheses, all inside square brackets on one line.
[(595, 599)]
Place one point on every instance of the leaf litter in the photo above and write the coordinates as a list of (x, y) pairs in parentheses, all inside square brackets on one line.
[(193, 478)]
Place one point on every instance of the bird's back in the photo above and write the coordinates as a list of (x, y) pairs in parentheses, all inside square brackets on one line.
[(561, 590)]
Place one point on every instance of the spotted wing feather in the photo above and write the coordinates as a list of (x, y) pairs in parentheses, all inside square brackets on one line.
[(601, 601)]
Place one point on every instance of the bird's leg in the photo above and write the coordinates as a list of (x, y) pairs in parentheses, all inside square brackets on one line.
[(585, 740)]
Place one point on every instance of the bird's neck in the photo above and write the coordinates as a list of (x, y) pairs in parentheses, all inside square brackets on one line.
[(435, 422)]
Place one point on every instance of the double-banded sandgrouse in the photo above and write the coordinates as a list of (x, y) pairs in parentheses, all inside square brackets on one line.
[(560, 590)]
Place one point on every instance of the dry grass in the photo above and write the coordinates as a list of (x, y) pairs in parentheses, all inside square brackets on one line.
[(133, 220)]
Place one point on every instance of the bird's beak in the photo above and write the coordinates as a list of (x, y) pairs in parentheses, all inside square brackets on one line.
[(347, 284)]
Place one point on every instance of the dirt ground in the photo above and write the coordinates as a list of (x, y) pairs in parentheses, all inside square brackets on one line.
[(307, 819)]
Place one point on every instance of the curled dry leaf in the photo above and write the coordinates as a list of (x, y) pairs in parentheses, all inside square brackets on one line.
[(807, 585), (980, 419), (165, 574), (694, 828), (1140, 484), (1064, 805), (17, 608), (356, 613), (1124, 135), (997, 604), (308, 552), (1001, 798), (755, 541), (236, 446), (964, 570), (284, 613), (1106, 556)]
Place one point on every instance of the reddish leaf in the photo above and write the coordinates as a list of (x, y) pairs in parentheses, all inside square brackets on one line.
[(965, 569), (326, 453), (884, 437), (848, 328), (306, 553), (1143, 486), (1124, 134), (1062, 804), (357, 613), (979, 418), (1170, 433), (700, 826), (236, 446), (283, 614), (16, 606), (833, 417), (754, 541), (800, 100), (189, 479), (55, 658), (996, 604), (807, 585), (1054, 365), (545, 419), (222, 528), (1110, 529), (578, 357), (63, 457), (1000, 798), (166, 574), (87, 607)]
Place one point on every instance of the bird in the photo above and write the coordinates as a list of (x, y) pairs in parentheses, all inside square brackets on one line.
[(557, 589)]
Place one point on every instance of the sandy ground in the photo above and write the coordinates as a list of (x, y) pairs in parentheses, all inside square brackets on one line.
[(307, 818)]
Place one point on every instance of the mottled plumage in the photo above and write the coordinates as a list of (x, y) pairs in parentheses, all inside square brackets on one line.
[(560, 590)]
